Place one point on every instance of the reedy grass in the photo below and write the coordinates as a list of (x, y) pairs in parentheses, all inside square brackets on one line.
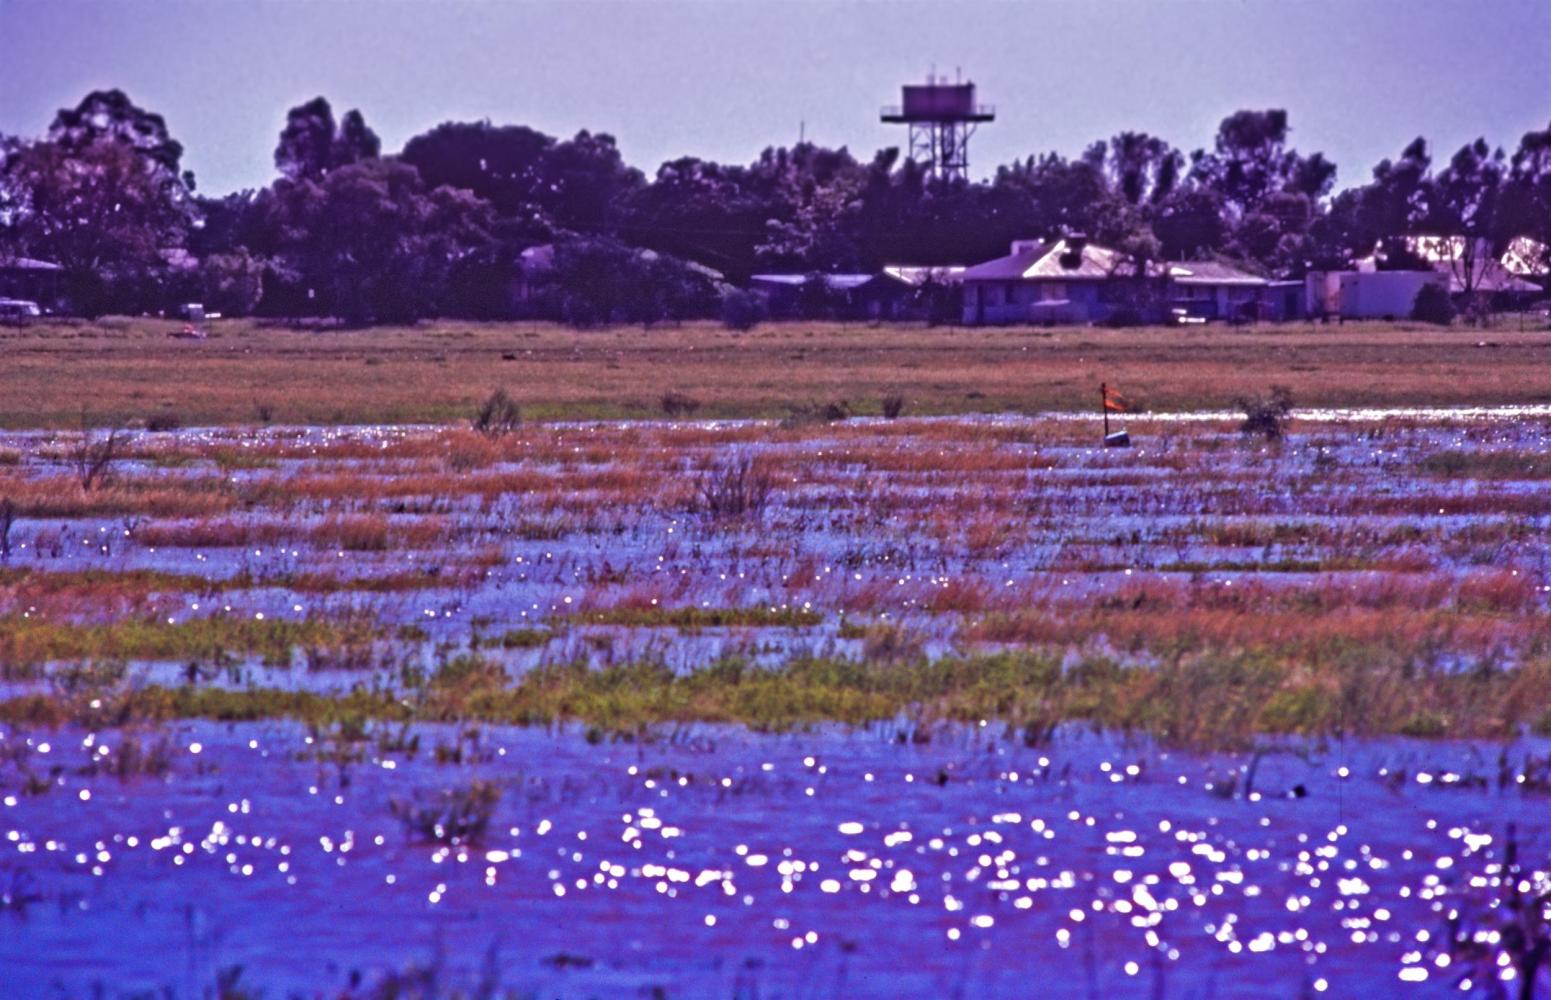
[(28, 643), (1214, 700)]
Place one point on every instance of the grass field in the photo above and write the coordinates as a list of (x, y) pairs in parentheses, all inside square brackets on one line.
[(124, 370)]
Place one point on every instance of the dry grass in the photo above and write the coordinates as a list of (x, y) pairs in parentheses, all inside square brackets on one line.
[(130, 369)]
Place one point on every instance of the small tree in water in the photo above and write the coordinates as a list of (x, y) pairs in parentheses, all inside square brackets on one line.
[(1267, 415)]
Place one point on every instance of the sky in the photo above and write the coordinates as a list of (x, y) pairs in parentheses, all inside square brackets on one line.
[(723, 79)]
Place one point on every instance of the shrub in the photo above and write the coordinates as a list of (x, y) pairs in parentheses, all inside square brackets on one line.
[(1433, 305), (741, 310), (94, 455), (676, 404), (7, 519), (893, 405), (1267, 415), (160, 422), (498, 415), (456, 816), (804, 414), (737, 488)]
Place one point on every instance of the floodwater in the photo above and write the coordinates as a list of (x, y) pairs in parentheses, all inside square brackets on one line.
[(726, 864), (706, 861)]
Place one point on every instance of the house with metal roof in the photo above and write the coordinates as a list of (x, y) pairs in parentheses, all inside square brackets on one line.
[(1073, 281)]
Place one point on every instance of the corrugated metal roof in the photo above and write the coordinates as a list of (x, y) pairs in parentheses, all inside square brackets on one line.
[(1008, 268), (1062, 263), (911, 274), (27, 264), (838, 282), (1212, 272), (1055, 262)]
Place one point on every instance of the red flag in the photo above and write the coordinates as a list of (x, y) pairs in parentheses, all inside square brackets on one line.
[(1113, 401)]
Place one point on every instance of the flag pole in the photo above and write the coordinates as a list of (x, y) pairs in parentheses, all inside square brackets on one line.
[(1104, 405)]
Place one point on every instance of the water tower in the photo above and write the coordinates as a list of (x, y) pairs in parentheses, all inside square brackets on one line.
[(942, 116)]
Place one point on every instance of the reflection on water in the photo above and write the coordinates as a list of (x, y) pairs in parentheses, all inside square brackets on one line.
[(728, 864)]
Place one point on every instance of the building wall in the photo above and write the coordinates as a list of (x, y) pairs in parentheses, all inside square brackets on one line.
[(1368, 294), (1005, 302), (1000, 302)]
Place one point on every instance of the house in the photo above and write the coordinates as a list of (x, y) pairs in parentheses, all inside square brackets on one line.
[(1447, 262), (1211, 290), (1073, 281), (881, 295), (1367, 294), (31, 280)]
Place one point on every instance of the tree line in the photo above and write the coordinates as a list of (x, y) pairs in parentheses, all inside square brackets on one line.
[(440, 227)]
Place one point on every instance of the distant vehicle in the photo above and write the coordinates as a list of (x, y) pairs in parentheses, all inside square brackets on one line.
[(18, 309), (1183, 317), (194, 312)]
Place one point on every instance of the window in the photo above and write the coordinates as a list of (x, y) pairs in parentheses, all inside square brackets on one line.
[(1053, 291)]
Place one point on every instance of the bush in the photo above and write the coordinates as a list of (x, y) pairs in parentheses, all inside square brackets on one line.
[(1433, 305), (456, 816), (893, 405), (741, 310), (737, 488), (676, 404), (498, 415), (159, 422), (1267, 415)]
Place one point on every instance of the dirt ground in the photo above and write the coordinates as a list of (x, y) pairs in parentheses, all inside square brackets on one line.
[(123, 370)]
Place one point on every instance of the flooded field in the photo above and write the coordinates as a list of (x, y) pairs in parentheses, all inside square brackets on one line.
[(926, 707)]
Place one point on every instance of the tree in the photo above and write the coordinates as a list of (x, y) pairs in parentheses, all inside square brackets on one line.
[(598, 281), (1189, 223), (817, 194), (311, 144), (103, 211), (231, 283), (1270, 194), (1140, 168), (503, 164), (1462, 202), (585, 183), (369, 243), (109, 115), (1061, 196), (702, 211), (1526, 209)]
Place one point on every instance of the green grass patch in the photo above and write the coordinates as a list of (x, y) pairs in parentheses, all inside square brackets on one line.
[(690, 619), (1502, 465), (1215, 700), (27, 643)]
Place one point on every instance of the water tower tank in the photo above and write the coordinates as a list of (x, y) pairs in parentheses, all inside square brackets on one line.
[(941, 116)]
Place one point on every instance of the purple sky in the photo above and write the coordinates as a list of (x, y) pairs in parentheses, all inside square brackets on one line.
[(722, 80)]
